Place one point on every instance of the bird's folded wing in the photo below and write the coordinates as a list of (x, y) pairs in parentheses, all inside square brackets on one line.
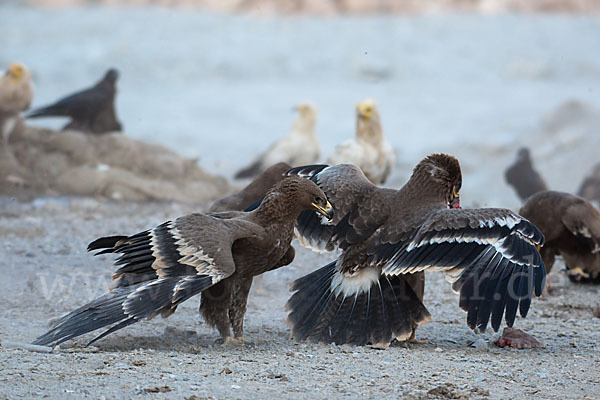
[(359, 207), (195, 244), (490, 257), (227, 214), (581, 220)]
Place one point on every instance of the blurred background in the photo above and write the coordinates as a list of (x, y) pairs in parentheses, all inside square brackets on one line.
[(217, 80)]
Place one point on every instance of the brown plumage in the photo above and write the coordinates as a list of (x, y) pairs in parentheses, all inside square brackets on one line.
[(523, 177), (571, 226), (253, 192), (590, 187), (386, 235), (91, 110), (216, 255), (249, 198), (16, 93)]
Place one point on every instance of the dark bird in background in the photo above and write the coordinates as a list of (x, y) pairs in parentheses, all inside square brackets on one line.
[(590, 187), (523, 177), (389, 237), (90, 110), (253, 192), (571, 226), (213, 254)]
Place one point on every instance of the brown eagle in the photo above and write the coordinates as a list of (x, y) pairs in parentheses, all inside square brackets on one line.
[(90, 110), (571, 226), (250, 197), (213, 254), (373, 293), (253, 192)]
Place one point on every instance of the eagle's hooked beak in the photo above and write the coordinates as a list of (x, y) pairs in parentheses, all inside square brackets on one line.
[(327, 211), (454, 199)]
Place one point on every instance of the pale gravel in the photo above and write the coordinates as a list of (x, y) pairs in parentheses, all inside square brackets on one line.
[(47, 272)]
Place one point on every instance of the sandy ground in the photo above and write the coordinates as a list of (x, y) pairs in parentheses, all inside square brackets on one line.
[(47, 273)]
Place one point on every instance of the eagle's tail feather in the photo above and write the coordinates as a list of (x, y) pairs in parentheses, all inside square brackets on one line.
[(103, 311), (375, 309), (124, 306), (53, 110)]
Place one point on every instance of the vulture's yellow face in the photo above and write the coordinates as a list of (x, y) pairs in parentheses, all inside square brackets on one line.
[(366, 109), (16, 72), (305, 109)]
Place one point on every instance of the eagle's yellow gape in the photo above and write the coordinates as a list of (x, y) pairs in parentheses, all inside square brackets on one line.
[(455, 193)]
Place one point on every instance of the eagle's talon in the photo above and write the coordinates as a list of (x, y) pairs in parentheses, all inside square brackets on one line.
[(230, 341)]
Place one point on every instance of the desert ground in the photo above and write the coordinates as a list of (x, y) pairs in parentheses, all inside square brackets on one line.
[(47, 272)]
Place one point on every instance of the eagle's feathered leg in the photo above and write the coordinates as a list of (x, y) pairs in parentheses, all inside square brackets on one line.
[(548, 256), (214, 306), (237, 309), (417, 282)]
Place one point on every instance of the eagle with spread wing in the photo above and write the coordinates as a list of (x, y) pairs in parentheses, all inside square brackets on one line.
[(216, 255), (373, 293)]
